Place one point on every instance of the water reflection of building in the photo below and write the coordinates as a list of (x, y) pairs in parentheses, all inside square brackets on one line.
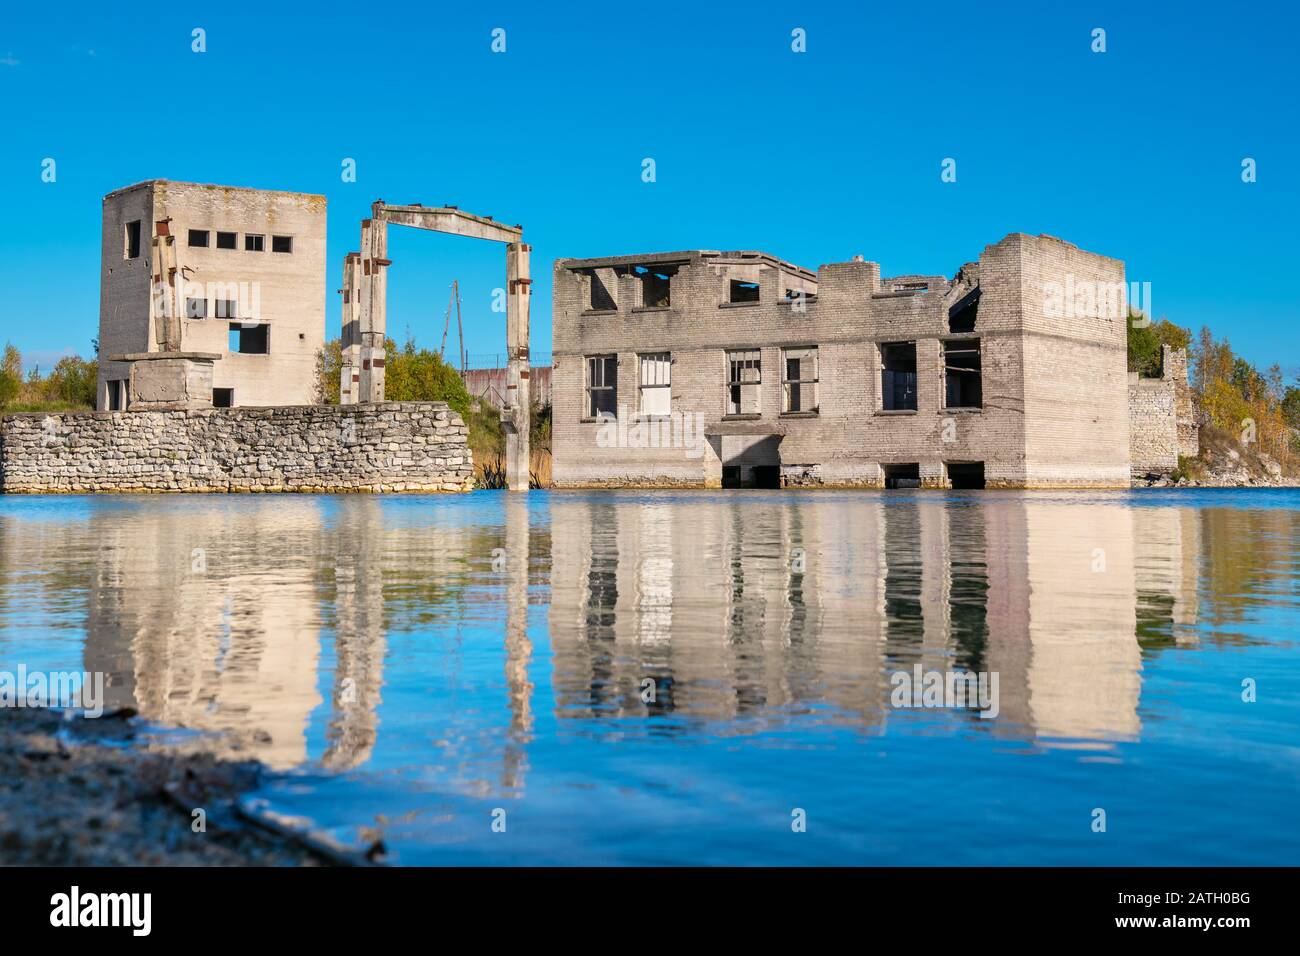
[(206, 617), (243, 616), (209, 613), (739, 606), (726, 609)]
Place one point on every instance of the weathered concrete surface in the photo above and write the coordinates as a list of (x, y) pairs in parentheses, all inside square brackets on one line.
[(1054, 410), (391, 446), (169, 381), (289, 285)]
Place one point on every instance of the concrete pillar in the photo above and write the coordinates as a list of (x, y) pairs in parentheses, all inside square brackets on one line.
[(374, 307), (350, 341), (516, 416), (365, 311), (164, 304)]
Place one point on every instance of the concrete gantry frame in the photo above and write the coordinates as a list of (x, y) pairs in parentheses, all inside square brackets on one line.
[(365, 315)]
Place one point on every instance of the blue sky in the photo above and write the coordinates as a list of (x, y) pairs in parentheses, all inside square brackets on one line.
[(815, 157)]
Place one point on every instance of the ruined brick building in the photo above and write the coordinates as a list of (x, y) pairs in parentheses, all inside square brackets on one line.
[(713, 369), (210, 295)]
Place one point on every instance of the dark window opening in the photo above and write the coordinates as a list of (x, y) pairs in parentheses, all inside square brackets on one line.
[(226, 240), (254, 243), (656, 287), (731, 476), (799, 383), (742, 291), (766, 476), (199, 238), (223, 398), (196, 308), (282, 243), (898, 376), (225, 308), (601, 300), (963, 313), (963, 376), (250, 339), (602, 386), (966, 474), (902, 476), (116, 394), (133, 239), (744, 380)]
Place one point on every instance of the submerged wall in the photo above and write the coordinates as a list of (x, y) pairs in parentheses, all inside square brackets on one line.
[(391, 446)]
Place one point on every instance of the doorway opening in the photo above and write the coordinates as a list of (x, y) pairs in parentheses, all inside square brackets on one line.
[(966, 474), (902, 476)]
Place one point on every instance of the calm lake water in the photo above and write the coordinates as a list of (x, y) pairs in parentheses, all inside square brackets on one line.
[(409, 665)]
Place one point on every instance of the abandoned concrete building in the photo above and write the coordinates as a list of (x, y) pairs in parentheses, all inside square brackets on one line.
[(210, 295), (721, 369)]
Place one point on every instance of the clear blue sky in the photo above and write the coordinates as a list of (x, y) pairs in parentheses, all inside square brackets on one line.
[(814, 157)]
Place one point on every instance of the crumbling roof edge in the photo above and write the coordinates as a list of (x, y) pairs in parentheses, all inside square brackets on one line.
[(177, 182), (685, 255)]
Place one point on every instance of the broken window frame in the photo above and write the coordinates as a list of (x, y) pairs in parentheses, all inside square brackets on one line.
[(247, 327), (196, 309), (889, 390), (225, 309), (601, 382), (792, 388), (740, 364), (656, 393), (131, 233), (946, 350), (254, 242), (198, 234), (286, 241), (742, 292), (648, 277)]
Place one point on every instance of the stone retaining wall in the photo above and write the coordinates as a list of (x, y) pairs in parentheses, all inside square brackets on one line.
[(392, 446)]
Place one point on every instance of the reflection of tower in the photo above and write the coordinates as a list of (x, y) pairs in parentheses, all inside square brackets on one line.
[(204, 614), (519, 647), (1084, 673), (357, 548), (1166, 568)]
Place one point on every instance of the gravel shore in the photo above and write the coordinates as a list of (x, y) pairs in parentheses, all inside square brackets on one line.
[(74, 793)]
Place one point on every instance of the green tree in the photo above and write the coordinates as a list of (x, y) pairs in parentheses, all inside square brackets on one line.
[(11, 375), (73, 382), (1291, 406), (1145, 355), (411, 374), (417, 375), (329, 366)]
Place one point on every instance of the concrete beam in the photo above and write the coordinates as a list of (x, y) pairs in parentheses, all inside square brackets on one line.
[(448, 219)]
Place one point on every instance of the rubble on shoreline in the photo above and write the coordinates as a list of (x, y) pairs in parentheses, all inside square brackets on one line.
[(74, 792)]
